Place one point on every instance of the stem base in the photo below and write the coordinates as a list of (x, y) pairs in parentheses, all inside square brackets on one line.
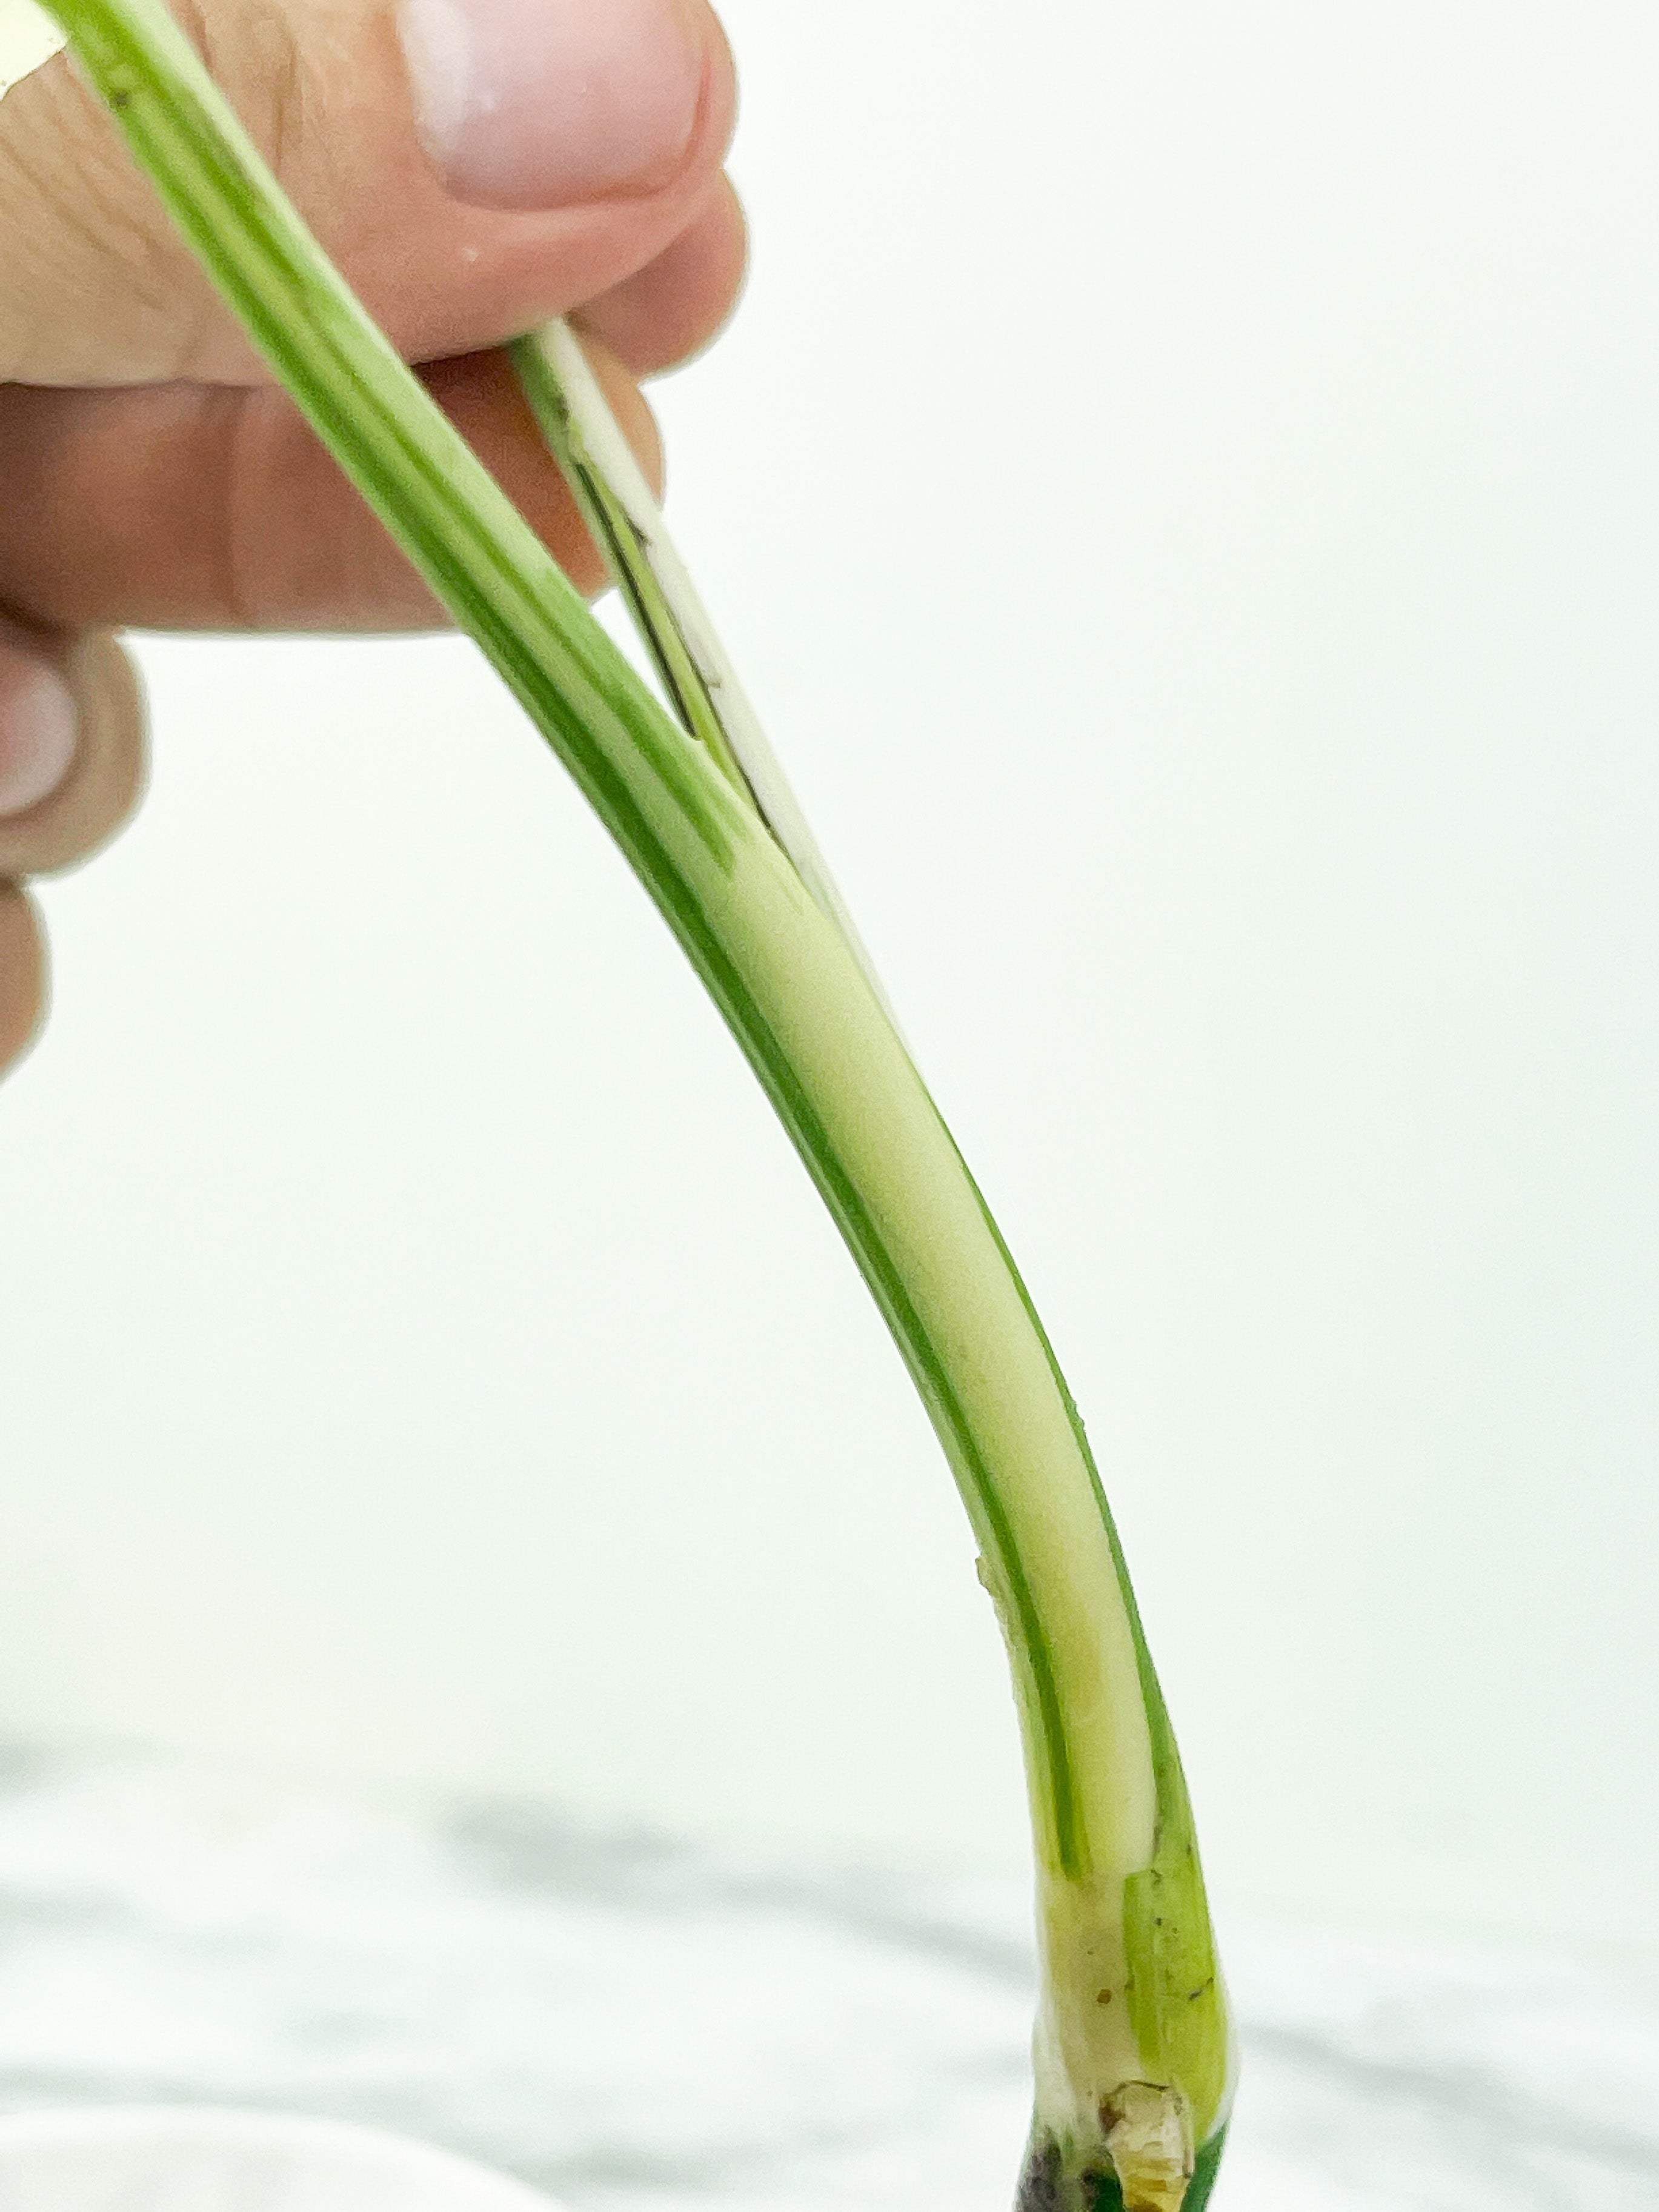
[(1045, 2185)]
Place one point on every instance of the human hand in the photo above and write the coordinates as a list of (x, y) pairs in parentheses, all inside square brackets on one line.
[(476, 167)]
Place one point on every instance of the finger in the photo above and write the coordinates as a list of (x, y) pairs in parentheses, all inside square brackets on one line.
[(194, 508), (39, 723), (495, 165), (71, 765), (22, 975), (672, 309), (97, 693)]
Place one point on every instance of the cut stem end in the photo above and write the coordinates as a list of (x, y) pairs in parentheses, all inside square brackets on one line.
[(1056, 2181)]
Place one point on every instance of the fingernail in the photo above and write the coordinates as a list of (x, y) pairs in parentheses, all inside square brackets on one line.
[(39, 725), (546, 103)]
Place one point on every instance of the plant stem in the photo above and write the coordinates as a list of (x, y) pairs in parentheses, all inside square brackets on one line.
[(1133, 2051), (626, 523), (610, 489)]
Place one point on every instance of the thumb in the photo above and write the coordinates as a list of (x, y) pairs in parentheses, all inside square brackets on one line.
[(475, 166)]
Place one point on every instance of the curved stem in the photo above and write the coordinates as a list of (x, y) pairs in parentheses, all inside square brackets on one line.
[(1132, 2048)]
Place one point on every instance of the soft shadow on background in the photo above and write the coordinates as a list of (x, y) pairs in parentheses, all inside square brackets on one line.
[(1184, 491)]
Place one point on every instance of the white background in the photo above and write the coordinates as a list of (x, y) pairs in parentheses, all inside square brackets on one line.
[(1184, 490)]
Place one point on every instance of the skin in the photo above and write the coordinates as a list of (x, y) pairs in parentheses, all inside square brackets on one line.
[(155, 478)]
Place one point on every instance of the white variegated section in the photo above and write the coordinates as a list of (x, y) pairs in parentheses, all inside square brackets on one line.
[(28, 36)]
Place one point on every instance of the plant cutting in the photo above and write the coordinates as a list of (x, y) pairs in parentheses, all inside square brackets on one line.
[(1132, 2050)]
